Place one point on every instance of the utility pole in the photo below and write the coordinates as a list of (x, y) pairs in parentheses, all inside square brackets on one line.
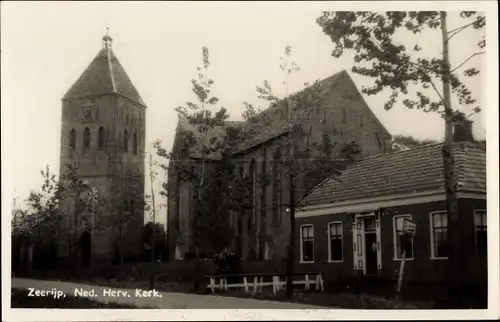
[(454, 244), (151, 177)]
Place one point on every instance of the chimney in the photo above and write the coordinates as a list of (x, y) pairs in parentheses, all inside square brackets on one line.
[(462, 131)]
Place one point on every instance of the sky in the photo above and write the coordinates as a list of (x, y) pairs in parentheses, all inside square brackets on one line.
[(47, 45)]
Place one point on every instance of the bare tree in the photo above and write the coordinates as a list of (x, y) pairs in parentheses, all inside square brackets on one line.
[(298, 154)]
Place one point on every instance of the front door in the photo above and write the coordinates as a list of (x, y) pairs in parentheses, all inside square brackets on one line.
[(371, 250), (371, 253), (366, 235)]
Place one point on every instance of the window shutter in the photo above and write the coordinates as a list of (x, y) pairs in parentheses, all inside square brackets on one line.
[(357, 247)]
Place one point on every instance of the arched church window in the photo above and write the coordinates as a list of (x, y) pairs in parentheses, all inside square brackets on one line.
[(277, 187), (72, 139), (86, 138), (125, 141), (135, 143), (253, 192), (102, 137)]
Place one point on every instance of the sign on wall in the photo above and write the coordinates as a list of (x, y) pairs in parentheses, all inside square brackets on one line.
[(409, 227)]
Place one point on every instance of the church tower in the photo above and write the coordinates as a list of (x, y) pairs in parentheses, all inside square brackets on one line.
[(103, 137)]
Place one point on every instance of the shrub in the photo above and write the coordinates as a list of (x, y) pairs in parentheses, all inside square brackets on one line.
[(227, 262)]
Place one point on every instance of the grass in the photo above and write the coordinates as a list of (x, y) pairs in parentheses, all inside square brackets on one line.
[(346, 300), (20, 299)]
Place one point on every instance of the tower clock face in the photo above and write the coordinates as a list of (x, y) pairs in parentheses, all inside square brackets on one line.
[(87, 113)]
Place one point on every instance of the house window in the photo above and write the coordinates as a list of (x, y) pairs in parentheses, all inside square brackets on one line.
[(439, 234), (335, 242), (481, 235), (101, 137), (307, 243), (125, 141), (86, 138), (72, 139), (134, 143), (400, 242)]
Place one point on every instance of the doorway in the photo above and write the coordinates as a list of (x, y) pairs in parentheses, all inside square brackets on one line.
[(370, 246), (85, 244), (366, 243)]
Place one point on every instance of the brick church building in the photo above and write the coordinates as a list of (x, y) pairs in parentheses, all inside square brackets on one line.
[(341, 117), (103, 133)]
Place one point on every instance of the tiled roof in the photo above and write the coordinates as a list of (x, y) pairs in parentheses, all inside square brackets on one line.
[(273, 121), (104, 75), (409, 171)]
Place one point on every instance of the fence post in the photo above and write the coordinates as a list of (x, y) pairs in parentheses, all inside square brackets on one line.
[(319, 282), (306, 286), (255, 284), (212, 284), (245, 282)]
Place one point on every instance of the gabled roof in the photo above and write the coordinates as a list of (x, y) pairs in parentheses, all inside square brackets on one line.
[(104, 75), (273, 122), (410, 171)]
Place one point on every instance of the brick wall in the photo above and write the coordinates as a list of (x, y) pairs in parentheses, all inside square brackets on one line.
[(101, 166)]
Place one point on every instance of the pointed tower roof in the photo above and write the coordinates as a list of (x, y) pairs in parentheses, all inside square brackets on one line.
[(104, 75)]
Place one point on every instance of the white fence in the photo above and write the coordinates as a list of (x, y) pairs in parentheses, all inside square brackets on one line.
[(220, 282)]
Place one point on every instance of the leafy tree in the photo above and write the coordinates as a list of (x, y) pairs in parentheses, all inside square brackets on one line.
[(74, 190), (393, 66), (121, 211), (193, 161), (44, 219), (401, 142)]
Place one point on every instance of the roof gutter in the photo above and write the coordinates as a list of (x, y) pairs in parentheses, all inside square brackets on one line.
[(370, 204)]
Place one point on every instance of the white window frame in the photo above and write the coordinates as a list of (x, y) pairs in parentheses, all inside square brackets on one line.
[(330, 241), (302, 246), (475, 227), (431, 227), (395, 239)]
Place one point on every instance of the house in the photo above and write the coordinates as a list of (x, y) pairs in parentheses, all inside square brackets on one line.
[(340, 117), (351, 225)]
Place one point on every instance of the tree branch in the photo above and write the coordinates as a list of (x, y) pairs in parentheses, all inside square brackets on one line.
[(439, 94), (465, 61), (425, 67), (459, 29)]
